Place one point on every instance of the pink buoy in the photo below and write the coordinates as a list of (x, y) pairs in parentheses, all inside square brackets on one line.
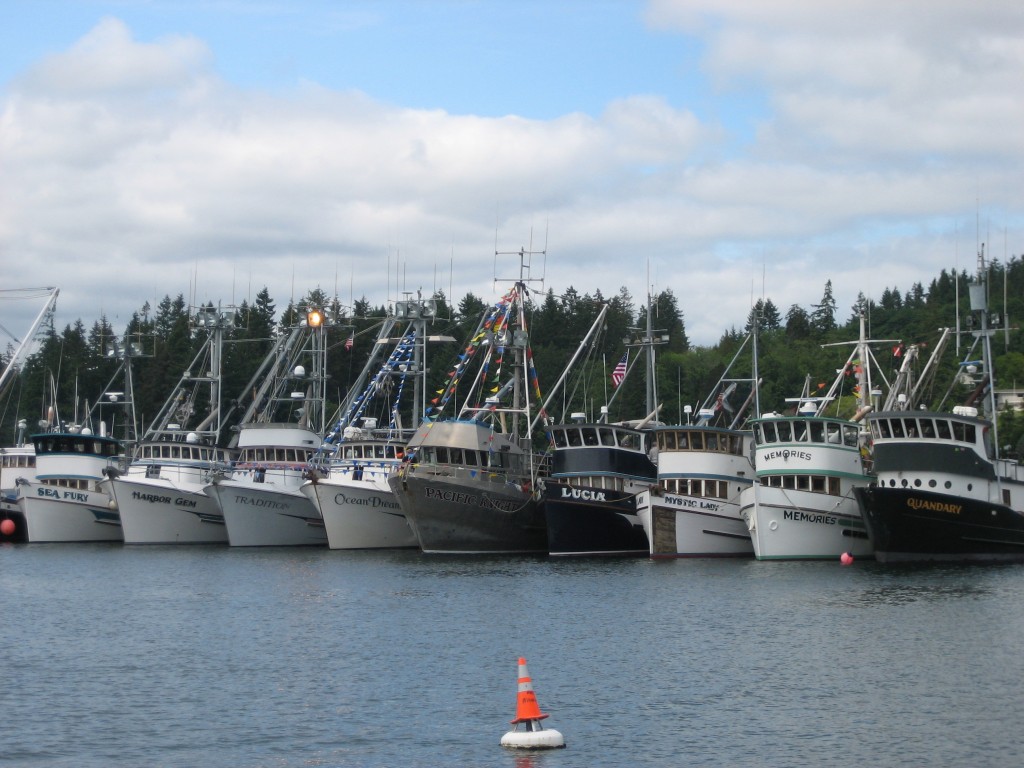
[(846, 558), (7, 527)]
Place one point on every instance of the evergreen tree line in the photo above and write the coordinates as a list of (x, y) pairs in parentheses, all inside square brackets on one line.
[(76, 368)]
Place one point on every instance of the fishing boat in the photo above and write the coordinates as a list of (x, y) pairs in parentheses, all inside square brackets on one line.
[(801, 504), (468, 484), (259, 494), (160, 496), (350, 486), (703, 468), (942, 491)]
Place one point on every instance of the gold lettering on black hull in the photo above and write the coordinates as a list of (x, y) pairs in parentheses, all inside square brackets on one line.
[(934, 506)]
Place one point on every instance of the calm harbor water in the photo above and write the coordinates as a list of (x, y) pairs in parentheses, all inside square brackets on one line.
[(210, 656)]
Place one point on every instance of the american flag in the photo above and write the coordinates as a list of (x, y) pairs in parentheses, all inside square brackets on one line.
[(620, 370), (350, 341)]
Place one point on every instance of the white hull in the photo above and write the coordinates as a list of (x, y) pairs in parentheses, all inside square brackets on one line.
[(64, 515), (267, 516), (155, 511), (791, 524), (685, 526), (361, 514)]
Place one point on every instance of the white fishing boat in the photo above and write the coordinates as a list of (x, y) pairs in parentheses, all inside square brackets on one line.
[(259, 496), (351, 487), (801, 504), (160, 496)]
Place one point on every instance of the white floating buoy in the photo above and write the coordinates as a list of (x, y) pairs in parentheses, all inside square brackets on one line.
[(528, 733)]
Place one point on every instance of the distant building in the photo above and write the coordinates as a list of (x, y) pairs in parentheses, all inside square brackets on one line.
[(1010, 398)]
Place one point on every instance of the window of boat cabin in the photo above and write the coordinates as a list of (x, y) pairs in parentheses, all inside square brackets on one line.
[(607, 436), (800, 431), (817, 431), (666, 441), (710, 441), (590, 436), (833, 435), (927, 427), (785, 429), (573, 436), (942, 427), (851, 435)]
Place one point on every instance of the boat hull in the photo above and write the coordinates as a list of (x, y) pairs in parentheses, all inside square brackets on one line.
[(683, 526), (361, 514), (911, 525), (158, 512), (786, 524), (592, 521), (452, 515), (63, 515), (267, 516)]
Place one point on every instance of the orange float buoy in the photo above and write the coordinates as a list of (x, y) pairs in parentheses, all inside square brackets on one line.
[(7, 527), (528, 732)]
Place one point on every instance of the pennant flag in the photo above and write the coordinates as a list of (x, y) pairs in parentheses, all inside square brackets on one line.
[(620, 370), (350, 341)]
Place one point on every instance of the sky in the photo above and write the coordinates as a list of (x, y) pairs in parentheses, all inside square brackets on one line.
[(726, 150)]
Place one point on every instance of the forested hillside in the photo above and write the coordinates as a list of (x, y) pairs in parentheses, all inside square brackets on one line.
[(798, 346)]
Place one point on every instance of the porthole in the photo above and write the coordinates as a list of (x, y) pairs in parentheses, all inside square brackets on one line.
[(970, 486), (904, 483), (948, 485), (931, 483), (917, 483)]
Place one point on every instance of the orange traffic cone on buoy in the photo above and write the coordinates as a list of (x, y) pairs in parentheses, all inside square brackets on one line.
[(528, 732)]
